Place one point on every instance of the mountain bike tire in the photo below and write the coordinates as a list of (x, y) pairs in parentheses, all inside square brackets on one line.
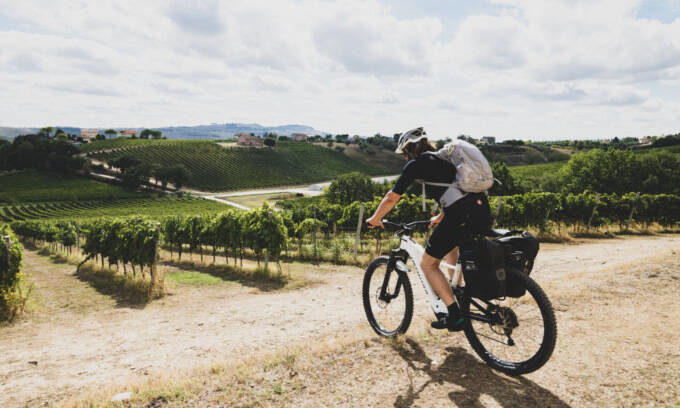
[(373, 280), (549, 338)]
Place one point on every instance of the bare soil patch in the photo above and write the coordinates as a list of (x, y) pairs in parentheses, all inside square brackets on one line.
[(614, 321)]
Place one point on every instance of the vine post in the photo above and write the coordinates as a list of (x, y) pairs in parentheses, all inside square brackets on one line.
[(316, 256), (358, 234), (498, 209), (6, 240), (156, 280), (632, 210), (597, 201)]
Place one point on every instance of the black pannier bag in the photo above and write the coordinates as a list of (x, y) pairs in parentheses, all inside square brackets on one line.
[(483, 263), (520, 252)]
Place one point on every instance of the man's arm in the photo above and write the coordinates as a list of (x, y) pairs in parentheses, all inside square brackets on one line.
[(386, 205)]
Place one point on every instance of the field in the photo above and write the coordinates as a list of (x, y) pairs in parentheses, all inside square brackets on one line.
[(33, 186), (384, 158), (216, 168), (535, 170), (37, 195), (218, 340), (84, 210)]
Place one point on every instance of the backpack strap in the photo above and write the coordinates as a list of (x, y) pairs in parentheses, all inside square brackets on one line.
[(450, 196)]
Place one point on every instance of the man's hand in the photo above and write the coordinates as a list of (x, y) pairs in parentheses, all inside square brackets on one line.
[(434, 221), (374, 222)]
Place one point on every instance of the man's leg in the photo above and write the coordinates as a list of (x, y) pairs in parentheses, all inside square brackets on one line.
[(436, 279), (452, 259)]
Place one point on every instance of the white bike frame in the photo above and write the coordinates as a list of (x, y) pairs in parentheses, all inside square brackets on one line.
[(416, 251)]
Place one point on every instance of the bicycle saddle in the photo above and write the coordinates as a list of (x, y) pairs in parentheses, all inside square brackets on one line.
[(496, 232)]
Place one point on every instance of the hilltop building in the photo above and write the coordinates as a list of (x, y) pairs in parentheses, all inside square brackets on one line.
[(127, 133), (489, 139), (88, 134), (246, 139), (299, 137)]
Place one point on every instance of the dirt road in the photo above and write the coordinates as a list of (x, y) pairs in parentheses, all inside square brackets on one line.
[(65, 349)]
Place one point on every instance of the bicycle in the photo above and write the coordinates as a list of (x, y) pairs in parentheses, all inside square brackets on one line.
[(509, 334)]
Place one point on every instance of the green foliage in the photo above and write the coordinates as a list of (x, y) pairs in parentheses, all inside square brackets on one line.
[(40, 153), (130, 241), (38, 186), (507, 183), (350, 187), (150, 134), (214, 167), (575, 210), (12, 300), (621, 171), (265, 229)]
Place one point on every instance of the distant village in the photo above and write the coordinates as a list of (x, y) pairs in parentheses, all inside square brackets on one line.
[(269, 139)]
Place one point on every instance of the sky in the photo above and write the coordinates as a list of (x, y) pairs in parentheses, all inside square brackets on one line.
[(528, 69)]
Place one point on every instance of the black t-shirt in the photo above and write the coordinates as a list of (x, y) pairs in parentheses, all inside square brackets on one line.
[(426, 167)]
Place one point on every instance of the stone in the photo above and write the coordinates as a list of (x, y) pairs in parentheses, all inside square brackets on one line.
[(124, 396)]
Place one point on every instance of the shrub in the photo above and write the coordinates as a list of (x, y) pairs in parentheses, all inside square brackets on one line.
[(12, 296)]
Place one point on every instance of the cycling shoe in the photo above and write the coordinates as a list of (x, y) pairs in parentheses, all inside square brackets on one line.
[(443, 322)]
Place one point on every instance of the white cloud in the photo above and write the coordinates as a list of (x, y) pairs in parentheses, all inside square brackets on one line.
[(533, 69)]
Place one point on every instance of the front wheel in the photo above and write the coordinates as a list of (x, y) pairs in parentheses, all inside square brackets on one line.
[(388, 298), (513, 335)]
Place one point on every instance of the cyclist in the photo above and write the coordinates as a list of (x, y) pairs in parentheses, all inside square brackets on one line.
[(468, 213)]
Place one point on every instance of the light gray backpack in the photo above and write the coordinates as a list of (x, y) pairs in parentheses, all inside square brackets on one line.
[(473, 173)]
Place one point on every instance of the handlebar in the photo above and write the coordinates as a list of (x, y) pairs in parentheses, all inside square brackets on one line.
[(402, 228)]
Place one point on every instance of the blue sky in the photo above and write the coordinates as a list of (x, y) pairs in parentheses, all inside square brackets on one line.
[(548, 69)]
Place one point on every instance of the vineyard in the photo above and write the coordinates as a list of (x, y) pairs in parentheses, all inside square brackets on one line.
[(44, 186), (88, 209), (326, 232), (214, 168), (116, 143)]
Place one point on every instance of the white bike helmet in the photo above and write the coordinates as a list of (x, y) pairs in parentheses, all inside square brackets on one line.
[(410, 136)]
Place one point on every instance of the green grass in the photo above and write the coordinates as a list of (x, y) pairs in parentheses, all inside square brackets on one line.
[(37, 186), (193, 278), (256, 200), (532, 170), (217, 168), (83, 210)]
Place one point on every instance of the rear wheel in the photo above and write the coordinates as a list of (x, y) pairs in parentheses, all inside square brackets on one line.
[(520, 333), (390, 312)]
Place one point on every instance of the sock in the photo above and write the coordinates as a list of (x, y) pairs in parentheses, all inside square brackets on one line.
[(454, 310)]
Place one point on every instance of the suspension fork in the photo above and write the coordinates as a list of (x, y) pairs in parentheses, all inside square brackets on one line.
[(395, 255)]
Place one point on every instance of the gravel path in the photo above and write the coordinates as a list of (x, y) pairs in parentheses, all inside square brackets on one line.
[(63, 351)]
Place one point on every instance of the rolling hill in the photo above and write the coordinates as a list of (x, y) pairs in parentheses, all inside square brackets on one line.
[(214, 167)]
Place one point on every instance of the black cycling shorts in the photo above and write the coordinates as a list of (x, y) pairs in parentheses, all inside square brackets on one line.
[(471, 214)]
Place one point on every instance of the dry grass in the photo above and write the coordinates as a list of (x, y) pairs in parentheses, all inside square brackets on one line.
[(617, 346), (130, 289)]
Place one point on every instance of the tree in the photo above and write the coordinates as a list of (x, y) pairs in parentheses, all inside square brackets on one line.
[(350, 187), (178, 174), (46, 131), (150, 133), (100, 137), (270, 142), (125, 162), (135, 176), (110, 132), (507, 183)]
